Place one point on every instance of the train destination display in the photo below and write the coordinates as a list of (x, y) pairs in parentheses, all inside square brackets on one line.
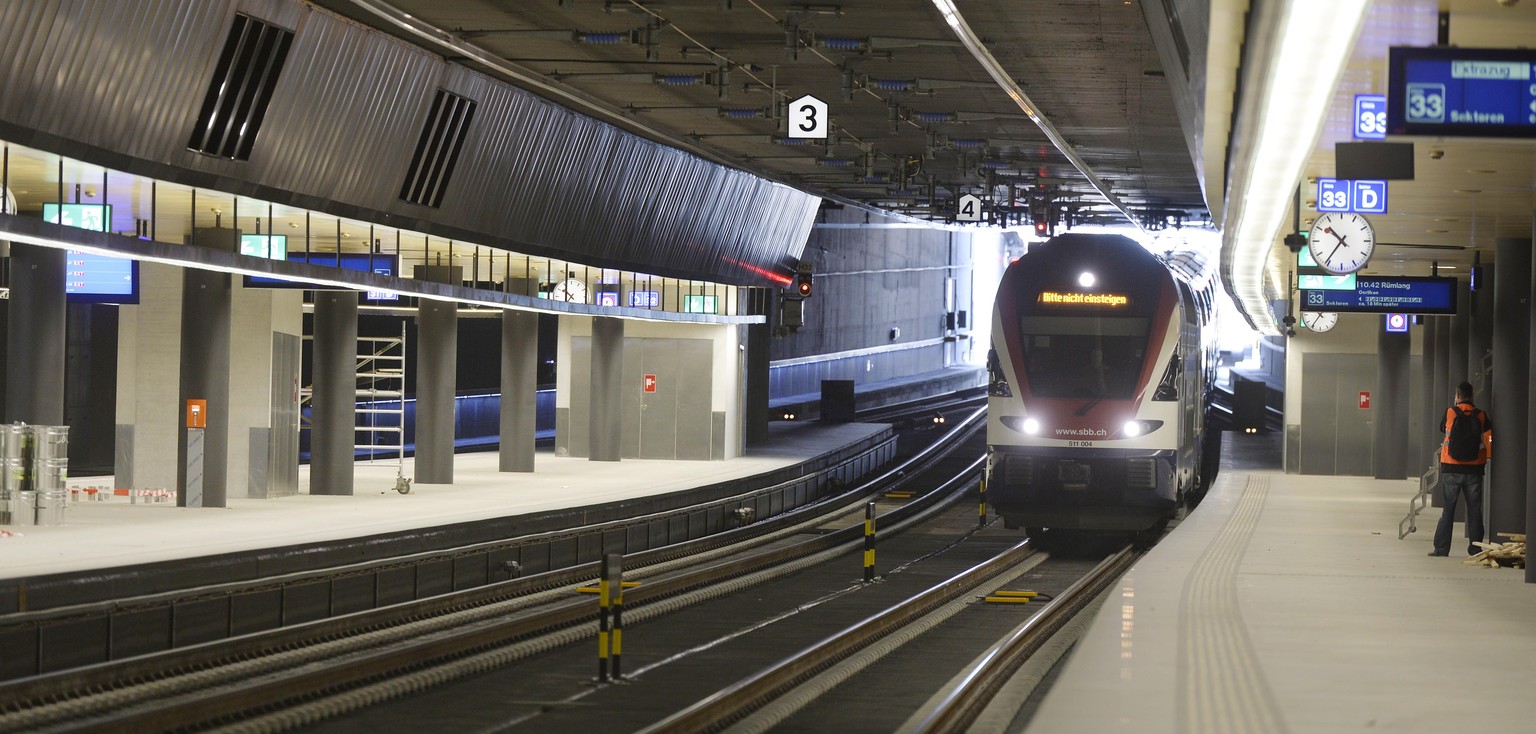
[(1463, 92), (1376, 294)]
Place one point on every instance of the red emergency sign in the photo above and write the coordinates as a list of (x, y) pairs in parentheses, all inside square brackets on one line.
[(1365, 400), (650, 383)]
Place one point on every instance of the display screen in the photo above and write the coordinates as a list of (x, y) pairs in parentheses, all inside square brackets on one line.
[(700, 304), (607, 298), (1462, 92), (1376, 294), (90, 278), (360, 261), (94, 217), (270, 246)]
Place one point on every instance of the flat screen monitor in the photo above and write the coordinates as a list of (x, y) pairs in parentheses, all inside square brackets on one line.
[(644, 299), (269, 246), (94, 217), (701, 304), (91, 278), (360, 261)]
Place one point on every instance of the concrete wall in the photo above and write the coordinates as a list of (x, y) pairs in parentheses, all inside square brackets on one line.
[(715, 433), (257, 312), (1326, 431), (878, 310), (149, 348), (148, 362)]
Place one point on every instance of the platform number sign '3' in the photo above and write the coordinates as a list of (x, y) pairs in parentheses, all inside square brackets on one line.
[(808, 118)]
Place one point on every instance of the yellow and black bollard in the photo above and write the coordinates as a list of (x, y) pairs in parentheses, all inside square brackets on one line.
[(869, 541), (981, 520), (618, 619), (610, 593)]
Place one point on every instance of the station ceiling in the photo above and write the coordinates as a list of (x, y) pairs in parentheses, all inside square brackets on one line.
[(916, 119)]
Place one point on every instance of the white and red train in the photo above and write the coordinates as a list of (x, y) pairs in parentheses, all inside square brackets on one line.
[(1100, 370)]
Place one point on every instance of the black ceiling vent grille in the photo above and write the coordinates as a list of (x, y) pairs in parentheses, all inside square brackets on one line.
[(241, 88), (438, 149)]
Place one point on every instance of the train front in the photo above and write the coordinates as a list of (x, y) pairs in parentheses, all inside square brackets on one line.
[(1083, 425)]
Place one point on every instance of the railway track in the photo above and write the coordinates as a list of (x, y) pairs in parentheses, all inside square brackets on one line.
[(778, 692), (358, 656)]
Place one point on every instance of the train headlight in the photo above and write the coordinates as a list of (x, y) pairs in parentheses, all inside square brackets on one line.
[(1086, 280), (1031, 426), (1132, 429)]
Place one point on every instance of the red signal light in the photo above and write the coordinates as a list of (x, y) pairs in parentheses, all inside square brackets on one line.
[(803, 284), (1042, 227)]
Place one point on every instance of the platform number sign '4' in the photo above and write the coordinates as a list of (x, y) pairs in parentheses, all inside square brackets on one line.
[(808, 118), (968, 208)]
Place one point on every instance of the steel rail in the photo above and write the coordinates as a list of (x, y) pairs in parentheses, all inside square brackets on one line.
[(980, 682), (723, 707), (477, 560), (271, 688)]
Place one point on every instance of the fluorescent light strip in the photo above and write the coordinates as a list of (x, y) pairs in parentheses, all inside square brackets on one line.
[(1301, 75), (1000, 75), (107, 252)]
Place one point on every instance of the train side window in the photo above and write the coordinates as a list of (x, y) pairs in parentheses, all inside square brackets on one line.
[(1168, 387)]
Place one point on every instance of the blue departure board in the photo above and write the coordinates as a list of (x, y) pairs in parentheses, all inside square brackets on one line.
[(1462, 92), (97, 278), (1378, 294)]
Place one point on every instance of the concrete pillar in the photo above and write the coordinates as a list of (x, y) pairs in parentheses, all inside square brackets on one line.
[(437, 344), (1442, 349), (1529, 494), (35, 336), (759, 340), (519, 389), (205, 335), (606, 404), (1389, 434), (334, 416), (1480, 340), (1511, 374), (1461, 338), (1434, 402)]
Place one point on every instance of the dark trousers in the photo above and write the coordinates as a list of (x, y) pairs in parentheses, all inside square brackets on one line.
[(1451, 488)]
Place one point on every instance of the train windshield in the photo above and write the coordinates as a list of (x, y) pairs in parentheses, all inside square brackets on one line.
[(1092, 357)]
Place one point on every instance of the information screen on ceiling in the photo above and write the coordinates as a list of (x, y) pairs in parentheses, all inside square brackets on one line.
[(1378, 294), (1462, 92)]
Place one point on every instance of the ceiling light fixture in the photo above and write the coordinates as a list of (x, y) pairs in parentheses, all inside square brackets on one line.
[(1289, 72)]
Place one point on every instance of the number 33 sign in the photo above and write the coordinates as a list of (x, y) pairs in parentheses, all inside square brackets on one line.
[(808, 118)]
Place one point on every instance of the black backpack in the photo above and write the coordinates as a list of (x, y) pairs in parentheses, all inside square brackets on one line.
[(1464, 442)]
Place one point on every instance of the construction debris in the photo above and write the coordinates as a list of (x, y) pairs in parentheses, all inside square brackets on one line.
[(1497, 555)]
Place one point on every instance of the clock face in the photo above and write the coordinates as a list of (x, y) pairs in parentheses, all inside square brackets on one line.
[(570, 291), (1319, 321), (1341, 243)]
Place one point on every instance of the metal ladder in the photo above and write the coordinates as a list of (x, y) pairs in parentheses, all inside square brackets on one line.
[(381, 375)]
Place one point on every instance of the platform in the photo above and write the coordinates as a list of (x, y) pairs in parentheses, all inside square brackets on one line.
[(1286, 603), (99, 535)]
